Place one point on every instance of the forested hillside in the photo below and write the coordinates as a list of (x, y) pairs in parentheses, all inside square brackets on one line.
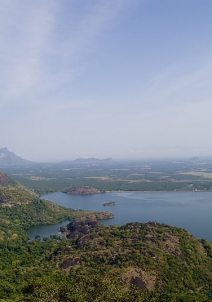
[(134, 262)]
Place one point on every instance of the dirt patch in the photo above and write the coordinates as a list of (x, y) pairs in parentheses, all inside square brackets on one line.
[(139, 278)]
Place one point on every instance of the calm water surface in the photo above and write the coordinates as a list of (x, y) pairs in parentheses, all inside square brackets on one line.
[(189, 210), (46, 230)]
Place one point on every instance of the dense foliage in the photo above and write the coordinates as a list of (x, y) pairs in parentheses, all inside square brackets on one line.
[(135, 262), (143, 262)]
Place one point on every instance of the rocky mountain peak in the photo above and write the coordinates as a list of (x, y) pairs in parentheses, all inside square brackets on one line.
[(8, 158)]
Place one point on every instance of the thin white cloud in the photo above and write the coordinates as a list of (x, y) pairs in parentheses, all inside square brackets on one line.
[(179, 83), (40, 52), (24, 35), (47, 51)]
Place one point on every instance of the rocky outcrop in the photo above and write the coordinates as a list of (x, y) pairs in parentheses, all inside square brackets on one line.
[(3, 199), (84, 240), (10, 158), (82, 226), (79, 228), (132, 226), (168, 242), (69, 262), (84, 190), (171, 244), (109, 203), (139, 278), (140, 254)]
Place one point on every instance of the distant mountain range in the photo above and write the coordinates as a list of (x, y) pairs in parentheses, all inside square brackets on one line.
[(89, 161), (10, 158)]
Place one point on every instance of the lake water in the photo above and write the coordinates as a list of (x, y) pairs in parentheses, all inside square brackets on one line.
[(46, 230), (189, 210)]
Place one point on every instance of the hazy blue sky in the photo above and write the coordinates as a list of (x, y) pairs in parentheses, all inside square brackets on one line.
[(106, 78)]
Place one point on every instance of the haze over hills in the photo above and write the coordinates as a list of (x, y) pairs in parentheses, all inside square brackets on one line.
[(10, 158), (88, 161)]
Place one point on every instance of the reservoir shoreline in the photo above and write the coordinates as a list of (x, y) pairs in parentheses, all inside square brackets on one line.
[(181, 209)]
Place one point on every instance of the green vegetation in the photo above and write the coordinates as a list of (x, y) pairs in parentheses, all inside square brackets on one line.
[(143, 175), (135, 262)]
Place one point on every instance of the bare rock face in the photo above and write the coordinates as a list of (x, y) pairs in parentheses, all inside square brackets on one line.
[(69, 262), (73, 235), (170, 244), (132, 226), (3, 199), (78, 228), (4, 179), (142, 279), (82, 226), (84, 240)]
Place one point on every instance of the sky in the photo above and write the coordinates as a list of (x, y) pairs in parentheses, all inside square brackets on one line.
[(106, 78)]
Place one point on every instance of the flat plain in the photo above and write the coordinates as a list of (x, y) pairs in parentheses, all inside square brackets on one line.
[(140, 175)]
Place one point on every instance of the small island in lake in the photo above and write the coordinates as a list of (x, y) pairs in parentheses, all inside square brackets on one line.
[(109, 203), (84, 190)]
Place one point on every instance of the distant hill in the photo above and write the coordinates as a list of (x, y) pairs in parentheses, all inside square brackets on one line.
[(194, 159), (10, 158), (91, 160)]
